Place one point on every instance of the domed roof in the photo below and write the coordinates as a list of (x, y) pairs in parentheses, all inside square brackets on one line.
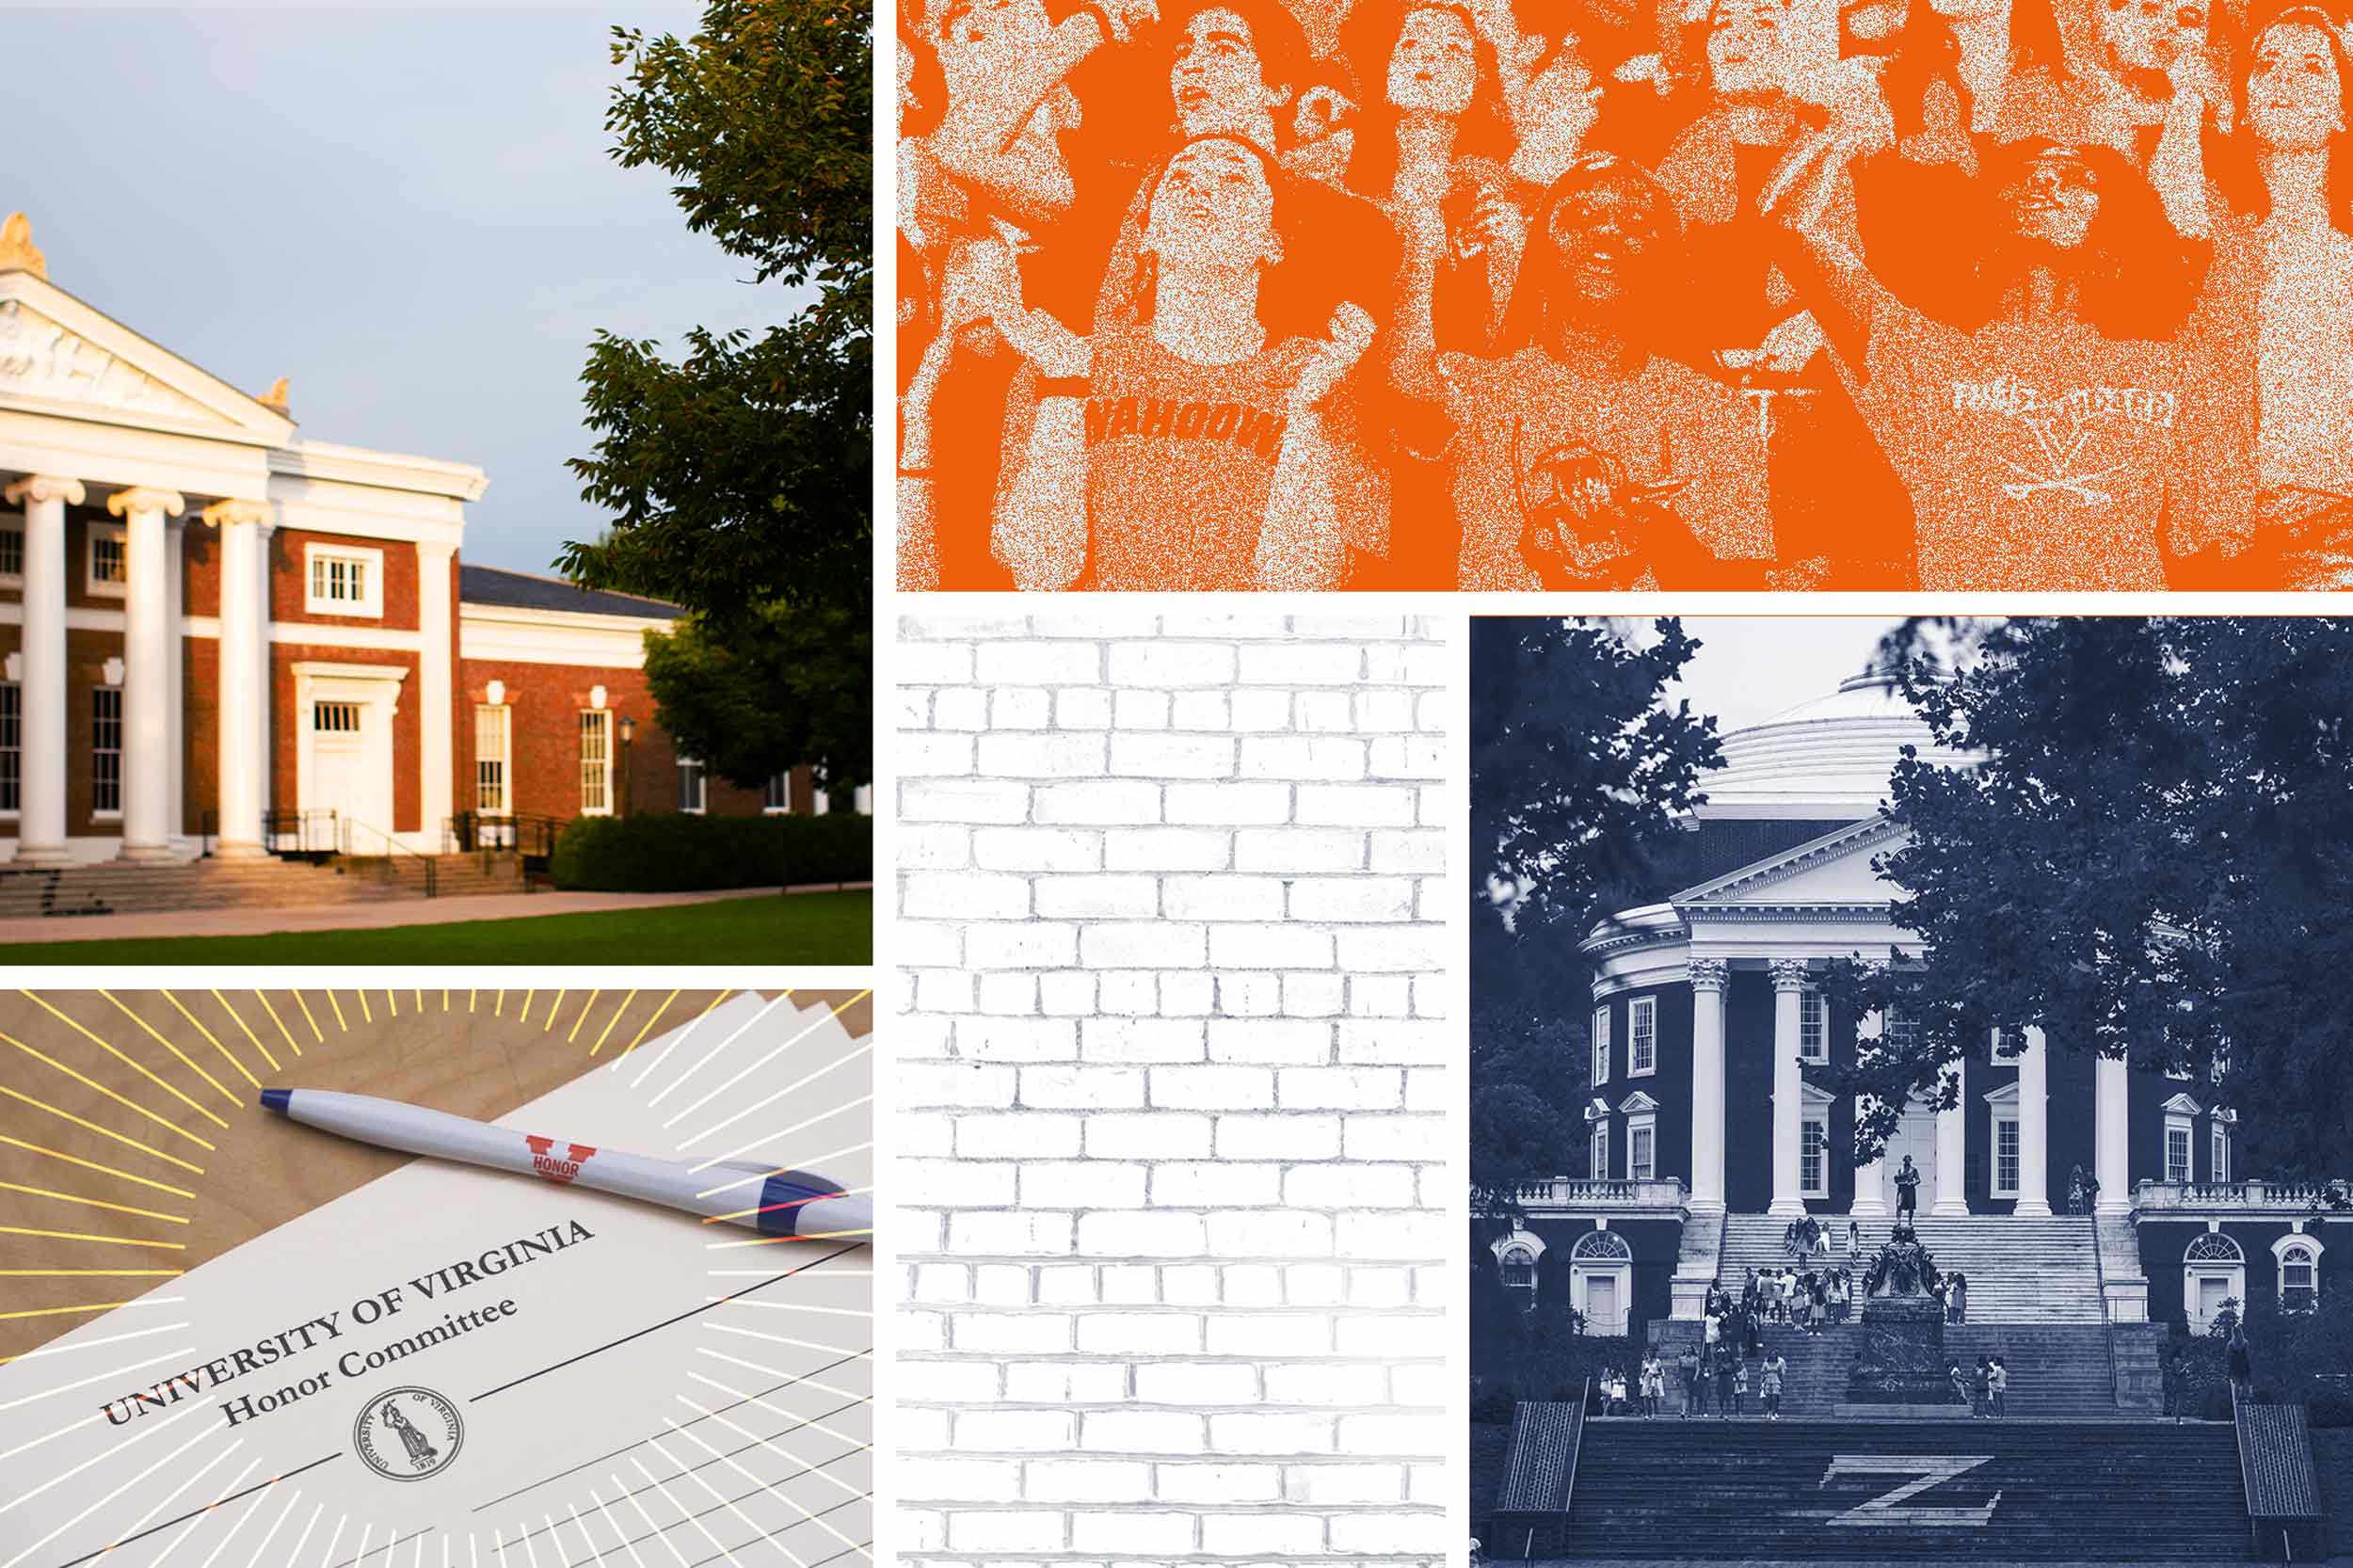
[(1828, 757)]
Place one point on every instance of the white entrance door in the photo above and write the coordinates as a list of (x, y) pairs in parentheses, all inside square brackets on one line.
[(345, 766), (1914, 1135), (2212, 1293), (1602, 1315)]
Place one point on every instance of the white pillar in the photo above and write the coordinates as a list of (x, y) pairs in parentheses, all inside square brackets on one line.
[(40, 819), (244, 665), (146, 696), (2111, 1164), (1788, 1087), (1708, 976), (1870, 1182), (1952, 1146), (175, 683), (2033, 1128), (435, 669)]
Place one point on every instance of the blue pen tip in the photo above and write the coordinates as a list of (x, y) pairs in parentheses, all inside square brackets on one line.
[(275, 1100)]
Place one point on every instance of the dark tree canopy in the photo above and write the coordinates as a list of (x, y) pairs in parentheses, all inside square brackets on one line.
[(2153, 859), (795, 690), (1578, 774)]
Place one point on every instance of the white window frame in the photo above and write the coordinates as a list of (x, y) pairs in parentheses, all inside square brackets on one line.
[(2181, 1117), (599, 720), (1642, 1148), (1517, 1250), (100, 813), (1641, 1030), (2232, 1273), (95, 585), (12, 741), (368, 606), (2007, 1119), (1813, 1027), (1618, 1267), (1597, 1150), (2218, 1151), (1817, 1122), (502, 715), (779, 801), (13, 524), (702, 786), (1601, 1047), (2297, 1240)]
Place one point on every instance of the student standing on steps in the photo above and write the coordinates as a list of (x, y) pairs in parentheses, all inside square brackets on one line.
[(1997, 1385), (1775, 1369), (1688, 1369), (1727, 1359), (1740, 1387), (1654, 1375), (2242, 1364)]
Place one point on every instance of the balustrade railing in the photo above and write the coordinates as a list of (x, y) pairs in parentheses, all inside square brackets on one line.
[(1662, 1192), (2277, 1197)]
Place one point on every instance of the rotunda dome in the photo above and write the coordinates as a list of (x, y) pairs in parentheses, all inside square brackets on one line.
[(1827, 757)]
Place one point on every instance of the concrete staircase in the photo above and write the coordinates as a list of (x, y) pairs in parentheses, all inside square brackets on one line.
[(1815, 1491), (116, 888), (2037, 1272)]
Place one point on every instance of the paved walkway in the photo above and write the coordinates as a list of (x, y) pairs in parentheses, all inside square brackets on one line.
[(359, 917)]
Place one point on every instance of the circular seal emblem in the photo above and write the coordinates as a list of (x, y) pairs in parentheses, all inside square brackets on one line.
[(408, 1434)]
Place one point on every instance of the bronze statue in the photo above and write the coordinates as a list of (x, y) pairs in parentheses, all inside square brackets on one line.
[(1903, 1266)]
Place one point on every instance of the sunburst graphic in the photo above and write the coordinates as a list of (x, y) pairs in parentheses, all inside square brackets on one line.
[(134, 1150)]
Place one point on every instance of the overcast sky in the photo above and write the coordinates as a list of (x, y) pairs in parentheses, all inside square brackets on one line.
[(1749, 667), (410, 213)]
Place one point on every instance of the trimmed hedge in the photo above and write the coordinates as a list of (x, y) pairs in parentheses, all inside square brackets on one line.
[(676, 853)]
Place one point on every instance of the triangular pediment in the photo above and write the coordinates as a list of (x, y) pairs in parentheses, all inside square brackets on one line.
[(1832, 871), (60, 357)]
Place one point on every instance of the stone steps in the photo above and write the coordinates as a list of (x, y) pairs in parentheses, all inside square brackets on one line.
[(116, 888), (2019, 1271)]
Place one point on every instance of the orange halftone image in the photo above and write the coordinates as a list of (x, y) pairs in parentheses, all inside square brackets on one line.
[(1990, 294)]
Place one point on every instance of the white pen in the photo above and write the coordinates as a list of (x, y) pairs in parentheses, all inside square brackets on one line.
[(789, 1203)]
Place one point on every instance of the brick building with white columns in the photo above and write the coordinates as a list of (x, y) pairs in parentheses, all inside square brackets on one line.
[(210, 623)]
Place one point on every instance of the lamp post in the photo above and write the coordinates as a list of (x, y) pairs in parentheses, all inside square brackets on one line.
[(629, 730)]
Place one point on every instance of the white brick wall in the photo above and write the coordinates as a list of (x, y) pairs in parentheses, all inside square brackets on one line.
[(1171, 1195)]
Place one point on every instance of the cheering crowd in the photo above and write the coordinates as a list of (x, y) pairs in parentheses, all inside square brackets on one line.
[(1517, 294)]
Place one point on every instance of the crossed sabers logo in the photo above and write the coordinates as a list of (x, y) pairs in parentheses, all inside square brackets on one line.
[(1894, 1506), (2059, 453), (555, 1166)]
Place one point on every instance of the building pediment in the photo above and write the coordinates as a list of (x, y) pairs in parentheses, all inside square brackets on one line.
[(62, 358), (1833, 870), (1637, 1103)]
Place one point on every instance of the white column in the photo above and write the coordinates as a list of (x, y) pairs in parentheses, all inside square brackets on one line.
[(2111, 1164), (145, 697), (435, 669), (2033, 1128), (243, 664), (1952, 1146), (1870, 1182), (1788, 1087), (40, 820), (175, 683), (1708, 976)]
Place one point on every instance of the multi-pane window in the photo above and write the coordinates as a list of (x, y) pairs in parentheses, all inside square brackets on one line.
[(1518, 1267), (11, 747), (780, 794), (691, 793), (1813, 1027), (1641, 1036), (1601, 1045), (109, 560), (335, 718), (2220, 1151), (2176, 1153), (1598, 1166), (11, 552), (1641, 1146), (105, 769), (2299, 1278), (494, 739), (1814, 1156), (1900, 1031), (2005, 1157), (596, 762)]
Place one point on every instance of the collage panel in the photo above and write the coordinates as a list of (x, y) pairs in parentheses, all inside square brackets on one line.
[(1175, 1031)]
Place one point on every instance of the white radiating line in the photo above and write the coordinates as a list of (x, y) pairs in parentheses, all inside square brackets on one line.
[(655, 1442), (630, 1546), (691, 1068), (365, 1530), (529, 1550), (169, 1498), (119, 1490), (850, 1394), (40, 1442), (787, 1132), (755, 1367), (835, 1066), (248, 1513), (102, 1377), (765, 1535), (583, 1533), (820, 1470), (292, 1503), (498, 1539), (305, 1538), (746, 1072), (206, 1513), (100, 1454), (418, 1559), (780, 1340), (474, 1549), (791, 1416), (797, 1306), (659, 1533), (677, 1037), (332, 1539), (92, 1344)]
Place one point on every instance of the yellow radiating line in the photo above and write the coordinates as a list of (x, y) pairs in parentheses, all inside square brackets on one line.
[(210, 1035), (772, 1241), (92, 1165), (120, 1100), (366, 1016), (340, 1022), (55, 1311), (444, 999), (419, 998), (650, 1023), (96, 1203), (173, 1048), (525, 1014), (498, 1004), (392, 1001), (169, 1088), (249, 1031), (553, 1003), (119, 1138), (574, 1036), (292, 1043), (87, 1273), (471, 994), (80, 1236), (316, 1037), (614, 1019)]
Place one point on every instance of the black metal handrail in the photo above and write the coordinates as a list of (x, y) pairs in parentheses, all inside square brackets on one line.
[(531, 839), (355, 843), (283, 832)]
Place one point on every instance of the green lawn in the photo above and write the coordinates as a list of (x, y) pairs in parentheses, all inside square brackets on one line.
[(805, 928)]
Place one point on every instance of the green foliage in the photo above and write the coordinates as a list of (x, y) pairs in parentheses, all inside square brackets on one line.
[(791, 686), (2149, 862), (1577, 772), (1538, 1355), (669, 853), (740, 474)]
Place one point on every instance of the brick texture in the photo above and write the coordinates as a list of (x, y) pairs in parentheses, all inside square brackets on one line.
[(1171, 1089)]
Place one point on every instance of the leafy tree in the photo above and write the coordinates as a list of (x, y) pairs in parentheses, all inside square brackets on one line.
[(1579, 771), (794, 690), (2150, 858), (741, 473)]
